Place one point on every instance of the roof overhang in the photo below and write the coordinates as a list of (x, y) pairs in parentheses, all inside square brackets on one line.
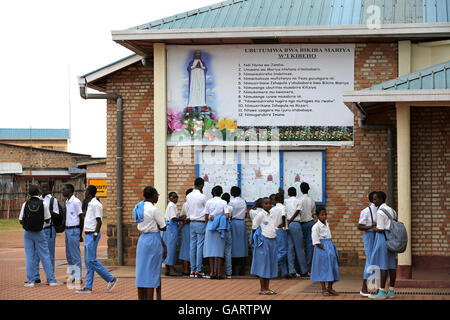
[(360, 101), (90, 78), (361, 30), (10, 168)]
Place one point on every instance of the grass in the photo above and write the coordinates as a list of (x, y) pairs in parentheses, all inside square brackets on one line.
[(10, 224)]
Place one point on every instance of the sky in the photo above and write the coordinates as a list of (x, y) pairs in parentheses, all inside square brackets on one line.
[(47, 44)]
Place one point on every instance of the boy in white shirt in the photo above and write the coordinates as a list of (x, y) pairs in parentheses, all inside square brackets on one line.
[(196, 201), (92, 225), (307, 211), (279, 210)]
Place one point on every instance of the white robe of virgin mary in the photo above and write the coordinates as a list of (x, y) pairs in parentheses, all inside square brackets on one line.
[(197, 85)]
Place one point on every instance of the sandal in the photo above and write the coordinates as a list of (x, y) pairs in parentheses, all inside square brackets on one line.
[(332, 292), (267, 293), (273, 291), (326, 293)]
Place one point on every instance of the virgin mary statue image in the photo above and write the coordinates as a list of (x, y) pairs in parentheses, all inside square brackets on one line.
[(197, 75)]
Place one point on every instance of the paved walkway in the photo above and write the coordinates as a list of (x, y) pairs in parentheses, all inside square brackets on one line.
[(12, 277)]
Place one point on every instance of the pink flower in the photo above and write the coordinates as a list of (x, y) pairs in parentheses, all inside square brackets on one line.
[(174, 122)]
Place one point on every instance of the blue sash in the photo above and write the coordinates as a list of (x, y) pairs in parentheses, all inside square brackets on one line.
[(138, 212)]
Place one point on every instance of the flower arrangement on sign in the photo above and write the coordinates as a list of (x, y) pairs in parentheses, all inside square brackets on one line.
[(199, 122)]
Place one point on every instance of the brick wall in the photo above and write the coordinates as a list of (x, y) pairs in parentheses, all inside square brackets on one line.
[(430, 183), (135, 84), (351, 172)]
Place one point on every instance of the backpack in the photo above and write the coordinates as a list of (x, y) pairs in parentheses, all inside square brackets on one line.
[(398, 236), (33, 215), (60, 222)]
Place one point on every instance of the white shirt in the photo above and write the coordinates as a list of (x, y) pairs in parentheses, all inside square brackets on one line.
[(320, 231), (239, 208), (55, 208), (185, 210), (216, 206), (280, 211), (73, 210), (254, 212), (268, 223), (196, 202), (46, 211), (151, 220), (365, 218), (292, 204), (307, 207), (383, 221), (94, 211), (171, 211)]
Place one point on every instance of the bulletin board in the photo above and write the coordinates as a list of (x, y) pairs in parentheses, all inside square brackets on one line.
[(260, 174)]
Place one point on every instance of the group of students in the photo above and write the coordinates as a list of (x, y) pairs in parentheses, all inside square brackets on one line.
[(39, 217), (281, 230)]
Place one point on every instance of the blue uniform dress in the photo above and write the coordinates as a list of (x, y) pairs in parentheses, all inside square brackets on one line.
[(380, 255), (185, 242), (170, 236), (215, 230), (149, 252), (324, 267), (264, 243), (239, 233), (367, 218)]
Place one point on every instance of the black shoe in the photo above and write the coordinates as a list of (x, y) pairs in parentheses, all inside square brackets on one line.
[(220, 277), (35, 281), (213, 277)]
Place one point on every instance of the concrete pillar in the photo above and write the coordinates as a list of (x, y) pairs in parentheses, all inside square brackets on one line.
[(160, 124), (404, 268), (404, 57)]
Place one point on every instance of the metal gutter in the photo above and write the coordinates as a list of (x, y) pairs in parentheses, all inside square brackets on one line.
[(119, 155)]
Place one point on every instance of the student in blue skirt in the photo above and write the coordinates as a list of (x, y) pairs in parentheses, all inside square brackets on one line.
[(228, 239), (239, 251), (151, 249), (217, 214), (282, 240), (263, 239), (170, 236), (381, 256), (185, 247), (324, 267), (367, 223)]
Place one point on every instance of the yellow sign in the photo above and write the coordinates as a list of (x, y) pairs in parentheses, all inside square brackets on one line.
[(101, 187)]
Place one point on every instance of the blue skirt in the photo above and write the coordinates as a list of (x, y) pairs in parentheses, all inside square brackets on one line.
[(282, 244), (148, 260), (170, 237), (239, 236), (324, 266), (265, 262), (185, 243), (214, 244), (369, 240), (381, 256)]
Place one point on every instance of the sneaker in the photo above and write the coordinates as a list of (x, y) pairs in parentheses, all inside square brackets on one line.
[(201, 275), (390, 294), (380, 295), (192, 275), (295, 275), (84, 290), (55, 284), (228, 276), (364, 294), (29, 285), (111, 285)]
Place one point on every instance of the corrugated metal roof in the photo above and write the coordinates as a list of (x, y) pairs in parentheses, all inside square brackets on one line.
[(434, 77), (269, 13), (19, 133)]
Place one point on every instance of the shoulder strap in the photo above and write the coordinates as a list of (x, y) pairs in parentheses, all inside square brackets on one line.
[(52, 200), (387, 213), (371, 216)]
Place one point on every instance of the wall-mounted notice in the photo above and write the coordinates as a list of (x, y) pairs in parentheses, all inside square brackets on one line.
[(248, 93)]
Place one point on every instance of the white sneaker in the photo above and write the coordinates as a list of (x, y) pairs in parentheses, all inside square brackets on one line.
[(364, 294), (112, 284), (29, 285), (55, 284)]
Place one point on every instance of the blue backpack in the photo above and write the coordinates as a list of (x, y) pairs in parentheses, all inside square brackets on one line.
[(398, 236)]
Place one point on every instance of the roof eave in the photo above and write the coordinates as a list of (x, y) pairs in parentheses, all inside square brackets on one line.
[(361, 30), (419, 95)]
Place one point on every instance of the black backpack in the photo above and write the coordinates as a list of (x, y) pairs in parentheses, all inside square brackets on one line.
[(33, 215), (60, 222)]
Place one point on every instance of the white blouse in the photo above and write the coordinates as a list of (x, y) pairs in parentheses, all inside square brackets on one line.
[(171, 211), (268, 223), (152, 219), (320, 231)]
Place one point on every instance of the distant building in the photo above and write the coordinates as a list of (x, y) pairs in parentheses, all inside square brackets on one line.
[(51, 139)]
